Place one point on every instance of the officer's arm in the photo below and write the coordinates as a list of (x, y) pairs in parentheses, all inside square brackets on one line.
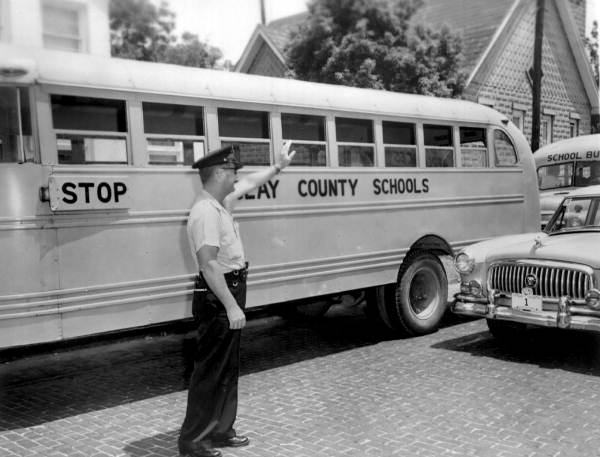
[(251, 182), (212, 273)]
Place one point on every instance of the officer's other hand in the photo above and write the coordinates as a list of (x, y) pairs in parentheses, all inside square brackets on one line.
[(285, 157), (237, 318)]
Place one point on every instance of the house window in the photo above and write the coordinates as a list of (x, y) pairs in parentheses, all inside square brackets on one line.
[(249, 130), (174, 133), (574, 128), (518, 118), (400, 144), (355, 142), (439, 149), (307, 133), (546, 130), (62, 26)]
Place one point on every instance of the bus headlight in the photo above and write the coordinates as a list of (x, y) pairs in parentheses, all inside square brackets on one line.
[(592, 299), (463, 263)]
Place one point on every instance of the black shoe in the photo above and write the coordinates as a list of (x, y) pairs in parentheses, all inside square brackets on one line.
[(233, 441), (197, 450)]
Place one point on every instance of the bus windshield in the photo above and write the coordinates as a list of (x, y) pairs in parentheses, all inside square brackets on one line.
[(571, 174)]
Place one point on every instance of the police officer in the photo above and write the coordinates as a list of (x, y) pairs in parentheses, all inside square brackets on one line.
[(219, 301)]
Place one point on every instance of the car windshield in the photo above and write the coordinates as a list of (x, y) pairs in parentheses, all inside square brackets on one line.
[(576, 214)]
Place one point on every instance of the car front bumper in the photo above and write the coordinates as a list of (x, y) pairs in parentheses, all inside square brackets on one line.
[(561, 313)]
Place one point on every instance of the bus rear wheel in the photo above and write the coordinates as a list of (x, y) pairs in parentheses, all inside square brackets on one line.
[(421, 294)]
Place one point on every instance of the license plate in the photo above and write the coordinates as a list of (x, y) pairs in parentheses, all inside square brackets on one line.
[(525, 302)]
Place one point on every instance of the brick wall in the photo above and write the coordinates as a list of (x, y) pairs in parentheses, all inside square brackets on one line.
[(563, 93)]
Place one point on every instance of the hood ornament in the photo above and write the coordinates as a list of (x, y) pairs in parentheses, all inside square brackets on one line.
[(537, 242)]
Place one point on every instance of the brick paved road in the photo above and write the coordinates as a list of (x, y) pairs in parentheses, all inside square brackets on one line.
[(332, 388)]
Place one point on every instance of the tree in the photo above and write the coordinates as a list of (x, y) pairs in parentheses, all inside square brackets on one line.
[(591, 44), (192, 52), (141, 30), (370, 43)]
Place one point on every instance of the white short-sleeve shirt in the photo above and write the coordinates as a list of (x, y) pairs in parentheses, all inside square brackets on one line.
[(209, 223)]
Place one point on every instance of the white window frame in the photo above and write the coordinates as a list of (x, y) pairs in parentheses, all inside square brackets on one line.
[(175, 137), (547, 129), (240, 139), (452, 147), (357, 144), (307, 142), (80, 9), (407, 146)]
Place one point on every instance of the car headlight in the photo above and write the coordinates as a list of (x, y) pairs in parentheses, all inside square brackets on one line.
[(463, 263), (592, 299)]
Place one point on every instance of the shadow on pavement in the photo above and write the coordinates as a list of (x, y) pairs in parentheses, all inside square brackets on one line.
[(574, 351), (162, 444), (50, 386)]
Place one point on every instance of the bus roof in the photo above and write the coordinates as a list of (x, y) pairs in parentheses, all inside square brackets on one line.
[(84, 70), (576, 148)]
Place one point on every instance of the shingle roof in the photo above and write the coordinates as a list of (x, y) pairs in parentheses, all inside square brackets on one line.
[(476, 20)]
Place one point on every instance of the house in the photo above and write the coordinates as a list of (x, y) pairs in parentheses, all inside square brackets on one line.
[(498, 37), (68, 25)]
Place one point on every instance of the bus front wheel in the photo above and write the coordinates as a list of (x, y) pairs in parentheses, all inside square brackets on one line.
[(421, 294)]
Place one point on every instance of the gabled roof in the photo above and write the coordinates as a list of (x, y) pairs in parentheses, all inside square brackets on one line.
[(477, 28)]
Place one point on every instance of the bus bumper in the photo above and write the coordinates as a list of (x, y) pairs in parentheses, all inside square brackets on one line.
[(566, 314)]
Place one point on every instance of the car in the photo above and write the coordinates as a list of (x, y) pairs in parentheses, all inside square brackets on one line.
[(549, 278)]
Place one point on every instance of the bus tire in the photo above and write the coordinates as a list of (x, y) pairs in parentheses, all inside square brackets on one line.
[(377, 308), (421, 294)]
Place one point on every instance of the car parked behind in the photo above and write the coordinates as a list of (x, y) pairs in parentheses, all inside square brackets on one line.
[(549, 278)]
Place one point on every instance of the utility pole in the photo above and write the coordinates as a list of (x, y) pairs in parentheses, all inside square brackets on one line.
[(263, 18), (537, 75)]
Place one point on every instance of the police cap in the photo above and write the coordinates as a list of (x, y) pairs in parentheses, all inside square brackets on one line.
[(227, 156)]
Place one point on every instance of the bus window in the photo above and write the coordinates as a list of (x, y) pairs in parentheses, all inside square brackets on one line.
[(473, 147), (104, 123), (16, 140), (504, 151), (253, 129), (587, 174), (174, 133), (439, 150), (308, 135), (355, 142), (554, 176), (399, 144)]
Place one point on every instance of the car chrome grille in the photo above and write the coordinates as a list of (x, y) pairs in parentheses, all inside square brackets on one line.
[(552, 282)]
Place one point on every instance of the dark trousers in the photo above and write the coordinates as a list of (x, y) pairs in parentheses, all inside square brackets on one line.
[(212, 396)]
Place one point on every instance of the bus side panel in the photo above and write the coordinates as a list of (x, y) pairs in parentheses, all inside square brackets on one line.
[(28, 269), (135, 264), (305, 245)]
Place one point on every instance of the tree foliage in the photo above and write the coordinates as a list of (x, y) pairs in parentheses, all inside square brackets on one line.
[(140, 30), (371, 43), (591, 44)]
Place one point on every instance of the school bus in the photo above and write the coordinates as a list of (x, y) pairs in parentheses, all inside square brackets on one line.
[(563, 166), (96, 184)]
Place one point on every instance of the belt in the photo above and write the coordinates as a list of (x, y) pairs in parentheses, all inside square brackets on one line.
[(237, 275)]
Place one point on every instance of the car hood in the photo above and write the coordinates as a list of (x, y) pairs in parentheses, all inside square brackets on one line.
[(549, 200), (582, 247)]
